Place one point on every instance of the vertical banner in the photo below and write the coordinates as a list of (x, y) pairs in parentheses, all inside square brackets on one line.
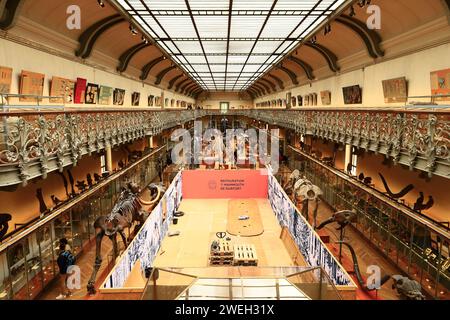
[(147, 242), (307, 240)]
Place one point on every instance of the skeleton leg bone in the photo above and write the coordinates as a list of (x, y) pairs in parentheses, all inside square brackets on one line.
[(98, 261)]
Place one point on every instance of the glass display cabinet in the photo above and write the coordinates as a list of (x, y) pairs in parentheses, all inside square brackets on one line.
[(29, 263)]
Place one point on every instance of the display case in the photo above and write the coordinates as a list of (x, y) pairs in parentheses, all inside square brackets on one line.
[(414, 247), (45, 238), (5, 280), (29, 263)]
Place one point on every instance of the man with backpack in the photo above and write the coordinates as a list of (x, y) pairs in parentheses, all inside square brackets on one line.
[(64, 261)]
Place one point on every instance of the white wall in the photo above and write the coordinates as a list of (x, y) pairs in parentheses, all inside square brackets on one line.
[(19, 57), (415, 67), (212, 100)]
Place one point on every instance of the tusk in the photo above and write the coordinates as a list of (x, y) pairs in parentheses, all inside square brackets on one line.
[(149, 203)]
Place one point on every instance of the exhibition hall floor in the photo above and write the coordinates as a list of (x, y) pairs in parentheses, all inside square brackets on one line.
[(198, 227)]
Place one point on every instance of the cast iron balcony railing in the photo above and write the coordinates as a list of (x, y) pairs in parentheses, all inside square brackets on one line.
[(418, 139), (33, 143)]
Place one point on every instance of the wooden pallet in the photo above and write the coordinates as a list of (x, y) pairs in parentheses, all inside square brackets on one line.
[(225, 249), (224, 256), (245, 255), (221, 261)]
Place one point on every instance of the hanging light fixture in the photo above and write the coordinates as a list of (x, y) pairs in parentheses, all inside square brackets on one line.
[(101, 3)]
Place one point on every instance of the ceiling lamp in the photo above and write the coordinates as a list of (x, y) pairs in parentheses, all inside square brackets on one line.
[(144, 40), (314, 40), (101, 3), (327, 29)]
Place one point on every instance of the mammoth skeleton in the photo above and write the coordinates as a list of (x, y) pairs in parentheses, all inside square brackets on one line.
[(127, 211)]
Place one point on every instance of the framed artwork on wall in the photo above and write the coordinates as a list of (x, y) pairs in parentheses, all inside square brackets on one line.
[(294, 102), (80, 89), (61, 87), (118, 97), (325, 96), (91, 93), (288, 100), (150, 100), (172, 103), (300, 101), (352, 94), (135, 98), (104, 97), (440, 84), (31, 83), (306, 100), (5, 79), (395, 90), (314, 99)]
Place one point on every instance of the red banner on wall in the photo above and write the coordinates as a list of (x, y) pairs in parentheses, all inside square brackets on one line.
[(224, 184)]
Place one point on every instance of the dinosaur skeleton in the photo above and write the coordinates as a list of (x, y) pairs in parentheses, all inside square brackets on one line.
[(127, 210), (307, 191)]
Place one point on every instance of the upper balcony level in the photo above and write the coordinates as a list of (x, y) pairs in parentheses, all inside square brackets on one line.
[(44, 139)]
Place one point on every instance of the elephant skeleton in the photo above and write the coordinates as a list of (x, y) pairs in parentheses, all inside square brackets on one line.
[(307, 191), (127, 211)]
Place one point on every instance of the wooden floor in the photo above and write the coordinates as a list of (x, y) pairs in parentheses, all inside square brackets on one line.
[(245, 228), (202, 220)]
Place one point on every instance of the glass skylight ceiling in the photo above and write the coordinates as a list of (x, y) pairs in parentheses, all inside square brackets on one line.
[(225, 45)]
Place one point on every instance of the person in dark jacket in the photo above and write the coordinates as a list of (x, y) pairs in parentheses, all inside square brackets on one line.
[(64, 261)]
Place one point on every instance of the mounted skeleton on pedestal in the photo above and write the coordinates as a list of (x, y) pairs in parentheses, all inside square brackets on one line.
[(307, 191), (127, 210)]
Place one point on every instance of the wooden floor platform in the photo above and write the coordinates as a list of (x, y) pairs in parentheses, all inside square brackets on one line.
[(239, 208)]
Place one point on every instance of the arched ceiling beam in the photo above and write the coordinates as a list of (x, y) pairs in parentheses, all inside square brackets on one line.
[(199, 89), (191, 91), (184, 86), (149, 66), (261, 88), (196, 88), (253, 91), (278, 81), (291, 74), (173, 80), (270, 83), (371, 38), (306, 67), (162, 73), (265, 86), (258, 90), (9, 11), (88, 38), (197, 92), (126, 57), (329, 56), (252, 94), (177, 88)]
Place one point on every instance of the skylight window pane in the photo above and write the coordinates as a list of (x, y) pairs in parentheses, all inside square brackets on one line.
[(253, 49)]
